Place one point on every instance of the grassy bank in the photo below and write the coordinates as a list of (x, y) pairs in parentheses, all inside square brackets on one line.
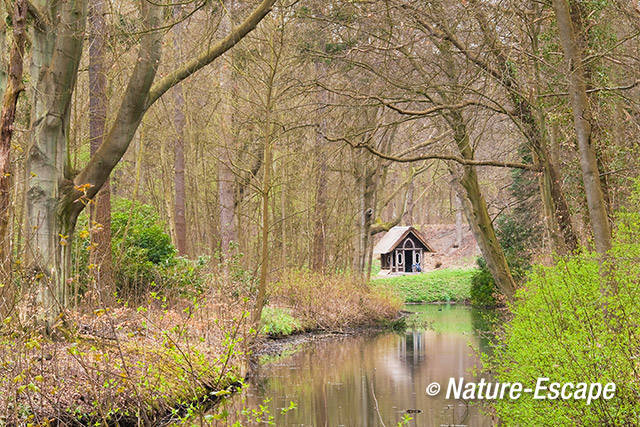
[(447, 285), (305, 301)]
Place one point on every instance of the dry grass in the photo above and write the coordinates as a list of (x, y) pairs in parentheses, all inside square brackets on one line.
[(332, 302)]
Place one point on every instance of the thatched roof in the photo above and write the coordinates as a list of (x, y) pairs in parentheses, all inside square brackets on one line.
[(395, 236)]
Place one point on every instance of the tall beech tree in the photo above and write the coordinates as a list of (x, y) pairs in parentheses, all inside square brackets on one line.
[(570, 30), (55, 193)]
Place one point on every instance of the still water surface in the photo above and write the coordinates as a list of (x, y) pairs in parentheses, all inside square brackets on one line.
[(374, 380)]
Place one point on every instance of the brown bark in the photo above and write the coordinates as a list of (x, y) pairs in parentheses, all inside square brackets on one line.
[(56, 51), (100, 213), (266, 191), (468, 189), (179, 217), (569, 29), (459, 212), (407, 218), (321, 169), (141, 93), (7, 118), (475, 208), (555, 202)]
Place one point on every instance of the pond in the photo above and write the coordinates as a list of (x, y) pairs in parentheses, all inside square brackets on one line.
[(378, 379)]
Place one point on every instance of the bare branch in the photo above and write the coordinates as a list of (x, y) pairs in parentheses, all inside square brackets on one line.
[(211, 53), (457, 159)]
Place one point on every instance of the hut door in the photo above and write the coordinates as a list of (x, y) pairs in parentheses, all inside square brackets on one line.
[(408, 256)]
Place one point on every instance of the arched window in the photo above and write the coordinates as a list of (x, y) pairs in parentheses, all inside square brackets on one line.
[(408, 243), (416, 257), (399, 258)]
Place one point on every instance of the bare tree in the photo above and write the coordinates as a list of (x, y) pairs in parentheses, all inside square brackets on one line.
[(56, 195)]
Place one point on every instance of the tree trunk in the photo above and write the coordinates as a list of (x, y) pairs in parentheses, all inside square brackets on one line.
[(473, 203), (532, 128), (407, 217), (49, 224), (3, 44), (367, 184), (459, 210), (568, 29), (55, 197), (100, 213), (265, 193), (179, 217), (477, 214), (226, 177), (321, 168), (7, 118)]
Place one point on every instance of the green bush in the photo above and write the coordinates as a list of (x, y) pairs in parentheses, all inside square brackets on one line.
[(136, 225), (577, 321), (516, 241), (144, 258), (483, 288), (279, 321)]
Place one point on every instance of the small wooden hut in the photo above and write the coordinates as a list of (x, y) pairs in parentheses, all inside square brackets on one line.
[(401, 249)]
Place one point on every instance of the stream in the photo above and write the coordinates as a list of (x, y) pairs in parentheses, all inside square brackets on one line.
[(377, 379)]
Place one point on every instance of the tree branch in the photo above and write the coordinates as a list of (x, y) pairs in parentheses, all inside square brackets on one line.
[(39, 17), (131, 110), (457, 159), (594, 90), (211, 53)]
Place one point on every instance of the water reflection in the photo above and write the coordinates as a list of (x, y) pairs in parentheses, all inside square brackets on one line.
[(375, 380)]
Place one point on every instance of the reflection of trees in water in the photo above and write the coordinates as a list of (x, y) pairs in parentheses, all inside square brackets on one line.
[(344, 381), (411, 349)]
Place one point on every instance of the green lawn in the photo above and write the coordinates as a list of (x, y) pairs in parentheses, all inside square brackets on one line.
[(450, 285)]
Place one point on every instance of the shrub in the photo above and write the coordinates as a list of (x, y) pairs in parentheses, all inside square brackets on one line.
[(332, 301), (576, 322), (144, 258), (483, 288), (279, 321), (136, 225)]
